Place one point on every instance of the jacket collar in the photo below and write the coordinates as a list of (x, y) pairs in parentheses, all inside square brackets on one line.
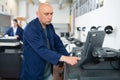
[(39, 24)]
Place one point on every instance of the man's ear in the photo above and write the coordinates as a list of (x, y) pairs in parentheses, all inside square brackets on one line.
[(37, 13)]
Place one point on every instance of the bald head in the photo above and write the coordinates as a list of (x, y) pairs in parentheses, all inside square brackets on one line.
[(44, 6), (45, 13)]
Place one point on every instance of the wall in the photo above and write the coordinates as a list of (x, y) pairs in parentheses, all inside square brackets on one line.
[(22, 9), (32, 11), (61, 28), (5, 22), (60, 16), (109, 14), (29, 10)]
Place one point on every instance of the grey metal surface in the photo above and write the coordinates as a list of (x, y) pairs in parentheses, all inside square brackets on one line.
[(76, 73)]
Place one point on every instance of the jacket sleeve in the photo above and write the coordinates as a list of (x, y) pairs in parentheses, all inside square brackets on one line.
[(8, 32), (35, 40)]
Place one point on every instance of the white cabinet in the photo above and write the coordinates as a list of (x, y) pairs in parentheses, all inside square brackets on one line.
[(9, 7)]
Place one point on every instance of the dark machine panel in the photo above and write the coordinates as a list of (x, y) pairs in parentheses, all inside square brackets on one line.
[(10, 64), (97, 62), (10, 58)]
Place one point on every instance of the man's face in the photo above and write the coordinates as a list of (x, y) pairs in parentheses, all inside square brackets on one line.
[(45, 14)]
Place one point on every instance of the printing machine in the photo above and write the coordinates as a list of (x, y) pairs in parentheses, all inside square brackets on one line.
[(97, 62), (10, 57)]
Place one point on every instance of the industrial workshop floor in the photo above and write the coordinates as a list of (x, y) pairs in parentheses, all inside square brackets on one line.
[(57, 74)]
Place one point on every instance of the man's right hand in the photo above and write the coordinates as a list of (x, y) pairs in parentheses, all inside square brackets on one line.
[(70, 60)]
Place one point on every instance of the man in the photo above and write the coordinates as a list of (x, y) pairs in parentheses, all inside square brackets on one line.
[(15, 31), (42, 47)]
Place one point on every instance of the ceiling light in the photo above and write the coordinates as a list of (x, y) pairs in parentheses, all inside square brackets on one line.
[(42, 1)]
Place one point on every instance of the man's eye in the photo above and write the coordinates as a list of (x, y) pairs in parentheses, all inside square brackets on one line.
[(51, 13), (46, 14)]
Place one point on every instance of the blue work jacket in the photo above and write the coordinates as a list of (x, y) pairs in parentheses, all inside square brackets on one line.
[(36, 53), (19, 32)]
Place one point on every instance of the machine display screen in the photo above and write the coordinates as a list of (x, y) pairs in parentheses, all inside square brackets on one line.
[(94, 40)]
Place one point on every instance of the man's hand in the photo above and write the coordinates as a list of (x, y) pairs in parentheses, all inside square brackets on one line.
[(70, 60)]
